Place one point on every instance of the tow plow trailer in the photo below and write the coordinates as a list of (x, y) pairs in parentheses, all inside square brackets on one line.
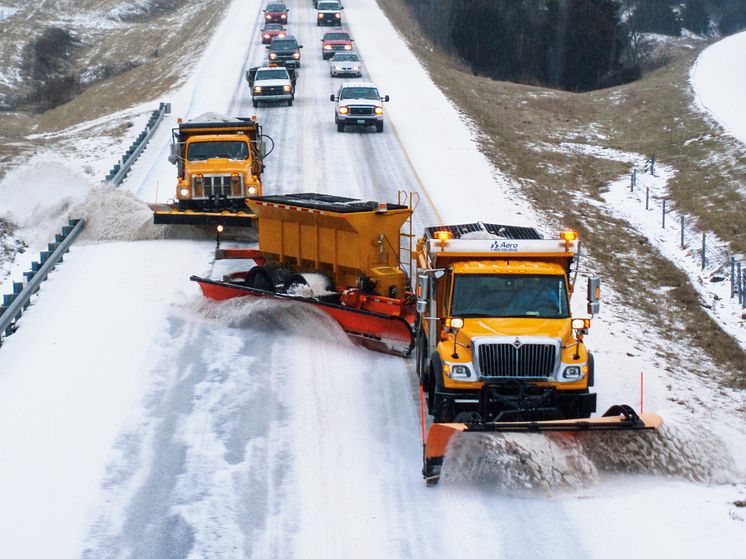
[(617, 418), (348, 249)]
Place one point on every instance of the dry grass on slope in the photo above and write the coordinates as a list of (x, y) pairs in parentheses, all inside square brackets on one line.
[(521, 124), (123, 63)]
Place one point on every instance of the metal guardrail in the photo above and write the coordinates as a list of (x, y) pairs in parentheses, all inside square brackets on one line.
[(15, 303), (119, 172)]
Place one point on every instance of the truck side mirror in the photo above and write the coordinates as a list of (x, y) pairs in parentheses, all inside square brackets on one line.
[(331, 97), (386, 98), (594, 296), (173, 158)]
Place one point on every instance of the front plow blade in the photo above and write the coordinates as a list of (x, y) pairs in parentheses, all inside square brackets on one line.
[(376, 331), (616, 418)]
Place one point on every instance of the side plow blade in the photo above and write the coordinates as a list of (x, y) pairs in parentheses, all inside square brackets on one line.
[(376, 331), (616, 418)]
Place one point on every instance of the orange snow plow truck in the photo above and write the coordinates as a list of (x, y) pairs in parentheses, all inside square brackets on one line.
[(219, 162), (497, 348)]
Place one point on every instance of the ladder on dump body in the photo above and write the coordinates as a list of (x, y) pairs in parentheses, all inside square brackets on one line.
[(407, 235)]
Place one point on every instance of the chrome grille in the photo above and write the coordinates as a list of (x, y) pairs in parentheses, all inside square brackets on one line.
[(525, 361), (271, 90), (216, 185), (361, 111)]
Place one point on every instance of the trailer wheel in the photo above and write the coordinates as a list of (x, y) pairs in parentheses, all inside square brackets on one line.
[(260, 277)]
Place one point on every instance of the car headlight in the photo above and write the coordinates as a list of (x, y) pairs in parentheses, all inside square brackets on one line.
[(272, 55), (356, 68), (257, 89), (572, 372), (379, 110), (296, 55), (283, 16), (281, 35), (286, 88), (343, 110), (321, 15), (252, 190), (338, 68), (266, 35), (348, 47), (184, 192), (327, 47), (269, 16), (338, 15)]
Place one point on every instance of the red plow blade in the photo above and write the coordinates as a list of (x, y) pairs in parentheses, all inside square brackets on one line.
[(376, 331)]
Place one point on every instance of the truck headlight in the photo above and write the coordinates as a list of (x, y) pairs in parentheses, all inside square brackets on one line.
[(184, 192), (348, 47), (338, 15), (257, 88), (321, 16), (338, 68), (296, 55), (457, 371), (327, 47), (272, 55), (286, 88), (573, 372), (252, 190), (379, 110), (343, 110)]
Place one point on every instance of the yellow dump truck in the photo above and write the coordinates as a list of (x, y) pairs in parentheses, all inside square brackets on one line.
[(219, 162), (496, 336)]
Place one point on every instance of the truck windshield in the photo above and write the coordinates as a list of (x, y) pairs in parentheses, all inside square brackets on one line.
[(513, 295), (279, 74), (359, 93), (202, 151), (284, 44)]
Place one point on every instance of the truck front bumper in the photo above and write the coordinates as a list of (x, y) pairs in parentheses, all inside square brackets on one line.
[(272, 98)]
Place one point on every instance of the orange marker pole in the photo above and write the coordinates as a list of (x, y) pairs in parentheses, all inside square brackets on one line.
[(642, 391)]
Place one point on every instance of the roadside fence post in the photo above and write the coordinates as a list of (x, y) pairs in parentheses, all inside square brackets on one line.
[(633, 180), (732, 276), (704, 250), (647, 197), (652, 164), (664, 214), (682, 219)]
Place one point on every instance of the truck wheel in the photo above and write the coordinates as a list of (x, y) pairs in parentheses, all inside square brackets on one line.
[(290, 102), (340, 127), (379, 126), (255, 103), (260, 277), (591, 370)]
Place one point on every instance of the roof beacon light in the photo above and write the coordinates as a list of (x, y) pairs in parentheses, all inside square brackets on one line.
[(569, 236), (443, 237)]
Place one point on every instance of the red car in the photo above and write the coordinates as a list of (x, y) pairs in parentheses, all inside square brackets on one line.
[(335, 41), (276, 12), (272, 30)]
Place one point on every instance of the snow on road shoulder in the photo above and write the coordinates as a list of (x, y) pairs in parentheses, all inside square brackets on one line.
[(67, 384), (719, 83)]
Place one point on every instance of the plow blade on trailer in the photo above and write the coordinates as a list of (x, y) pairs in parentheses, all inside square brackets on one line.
[(616, 418), (379, 332)]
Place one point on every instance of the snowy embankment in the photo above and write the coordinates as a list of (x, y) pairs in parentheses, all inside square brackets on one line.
[(719, 83), (157, 424)]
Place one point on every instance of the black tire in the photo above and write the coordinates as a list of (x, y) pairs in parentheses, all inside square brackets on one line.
[(294, 279), (255, 103), (290, 102), (379, 126), (260, 277), (340, 127)]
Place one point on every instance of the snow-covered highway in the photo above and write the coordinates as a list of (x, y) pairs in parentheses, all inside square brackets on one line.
[(138, 420)]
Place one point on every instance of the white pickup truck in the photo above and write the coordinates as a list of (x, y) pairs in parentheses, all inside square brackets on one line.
[(271, 84), (358, 104)]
